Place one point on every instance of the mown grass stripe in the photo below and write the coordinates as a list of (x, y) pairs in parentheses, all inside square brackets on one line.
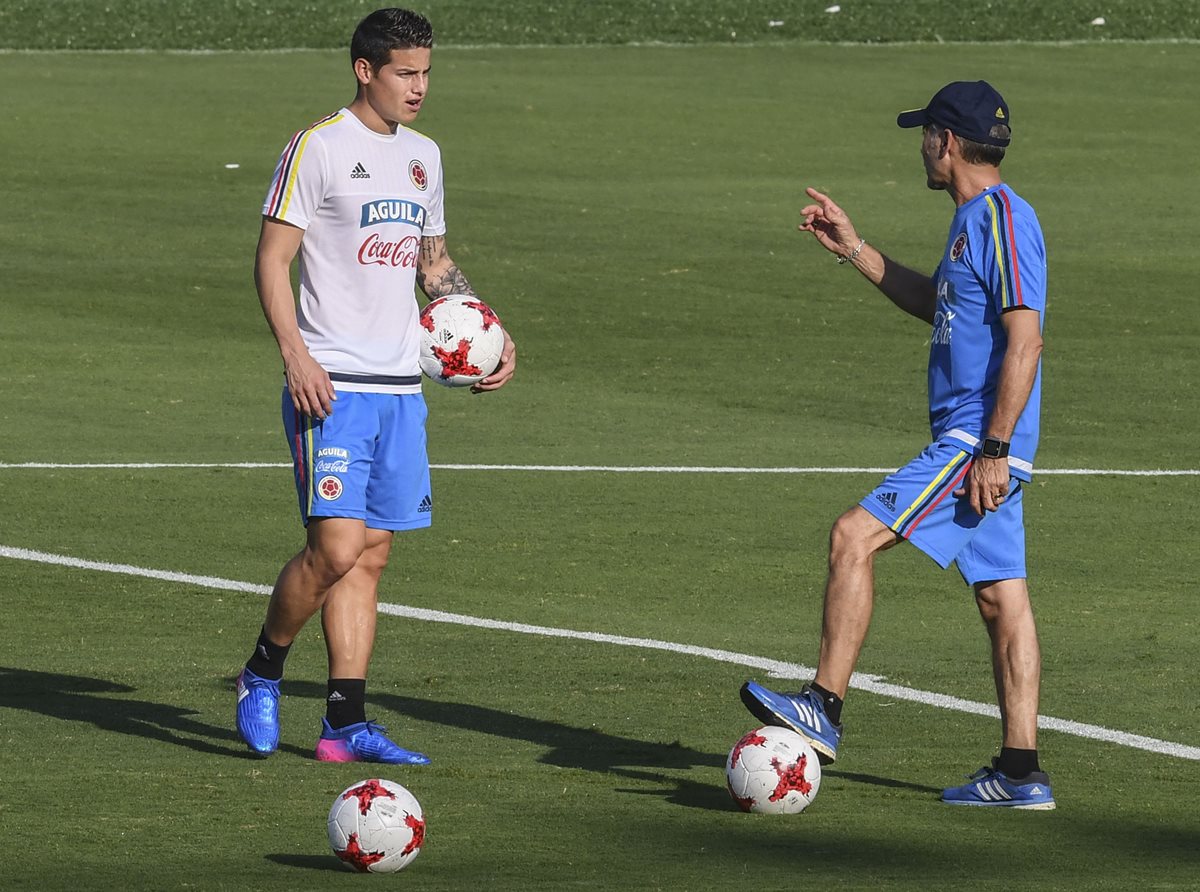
[(871, 683), (609, 469)]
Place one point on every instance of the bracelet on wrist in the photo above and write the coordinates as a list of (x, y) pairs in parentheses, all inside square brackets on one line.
[(849, 257)]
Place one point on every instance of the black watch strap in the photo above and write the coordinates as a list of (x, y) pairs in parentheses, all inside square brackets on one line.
[(994, 448)]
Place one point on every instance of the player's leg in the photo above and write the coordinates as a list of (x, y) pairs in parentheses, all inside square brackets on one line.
[(348, 619), (331, 551), (397, 498), (993, 562), (815, 711), (1016, 659), (1014, 779), (349, 613), (915, 503), (849, 595), (331, 462)]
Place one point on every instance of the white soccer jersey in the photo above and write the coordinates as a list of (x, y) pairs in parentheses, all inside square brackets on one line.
[(364, 200)]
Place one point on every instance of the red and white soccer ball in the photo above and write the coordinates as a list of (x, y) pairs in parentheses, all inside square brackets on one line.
[(461, 340), (376, 826), (774, 771)]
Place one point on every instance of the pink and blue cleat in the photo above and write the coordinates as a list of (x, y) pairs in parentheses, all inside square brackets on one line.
[(363, 742)]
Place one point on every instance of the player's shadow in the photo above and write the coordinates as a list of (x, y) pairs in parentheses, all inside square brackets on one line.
[(309, 862), (589, 749), (860, 778), (103, 703), (567, 747)]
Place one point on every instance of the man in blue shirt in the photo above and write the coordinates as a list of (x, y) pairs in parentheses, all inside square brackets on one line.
[(960, 500)]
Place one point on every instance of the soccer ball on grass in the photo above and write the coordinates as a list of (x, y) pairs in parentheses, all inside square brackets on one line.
[(461, 340), (376, 826), (774, 771)]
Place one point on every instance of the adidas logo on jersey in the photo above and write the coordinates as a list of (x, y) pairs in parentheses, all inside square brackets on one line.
[(359, 172), (888, 499), (426, 505)]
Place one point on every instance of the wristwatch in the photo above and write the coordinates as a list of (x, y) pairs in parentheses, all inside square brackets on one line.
[(994, 448)]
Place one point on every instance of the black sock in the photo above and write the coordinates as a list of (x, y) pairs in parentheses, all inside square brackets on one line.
[(267, 661), (833, 703), (347, 702), (1017, 763)]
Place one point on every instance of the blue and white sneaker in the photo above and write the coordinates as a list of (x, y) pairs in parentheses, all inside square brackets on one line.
[(803, 712), (363, 742), (992, 787), (258, 712)]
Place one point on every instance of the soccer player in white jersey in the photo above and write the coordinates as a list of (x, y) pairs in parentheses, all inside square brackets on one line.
[(359, 198), (961, 500)]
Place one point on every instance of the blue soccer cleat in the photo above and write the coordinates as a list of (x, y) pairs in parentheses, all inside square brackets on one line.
[(363, 742), (992, 787), (803, 712), (258, 712)]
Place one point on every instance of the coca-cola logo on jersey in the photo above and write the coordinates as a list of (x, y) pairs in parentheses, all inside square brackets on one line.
[(377, 250)]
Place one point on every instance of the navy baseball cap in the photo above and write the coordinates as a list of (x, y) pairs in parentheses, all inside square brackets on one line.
[(969, 108)]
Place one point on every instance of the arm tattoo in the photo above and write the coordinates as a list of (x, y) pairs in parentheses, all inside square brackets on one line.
[(449, 280), (431, 248), (452, 281)]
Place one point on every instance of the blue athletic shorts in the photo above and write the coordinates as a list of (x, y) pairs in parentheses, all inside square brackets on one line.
[(918, 504), (367, 460)]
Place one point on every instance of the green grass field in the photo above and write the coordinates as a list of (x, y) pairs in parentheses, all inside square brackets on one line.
[(630, 212), (270, 24)]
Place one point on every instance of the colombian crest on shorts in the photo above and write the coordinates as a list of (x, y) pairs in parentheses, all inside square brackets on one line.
[(416, 173), (960, 245), (330, 488)]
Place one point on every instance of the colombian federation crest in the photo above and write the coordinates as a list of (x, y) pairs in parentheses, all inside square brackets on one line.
[(416, 173), (330, 488), (960, 245)]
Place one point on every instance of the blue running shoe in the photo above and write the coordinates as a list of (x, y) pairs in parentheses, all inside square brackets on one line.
[(803, 712), (258, 712), (363, 742), (992, 787)]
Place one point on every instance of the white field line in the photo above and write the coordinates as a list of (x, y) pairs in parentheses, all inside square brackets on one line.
[(607, 469), (874, 684)]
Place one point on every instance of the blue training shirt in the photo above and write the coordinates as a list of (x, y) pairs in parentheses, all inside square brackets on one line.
[(995, 262)]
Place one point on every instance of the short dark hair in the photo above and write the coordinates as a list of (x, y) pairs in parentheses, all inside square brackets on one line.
[(977, 152), (981, 153), (389, 29)]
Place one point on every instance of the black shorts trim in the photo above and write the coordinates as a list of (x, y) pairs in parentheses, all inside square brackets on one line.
[(400, 380)]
